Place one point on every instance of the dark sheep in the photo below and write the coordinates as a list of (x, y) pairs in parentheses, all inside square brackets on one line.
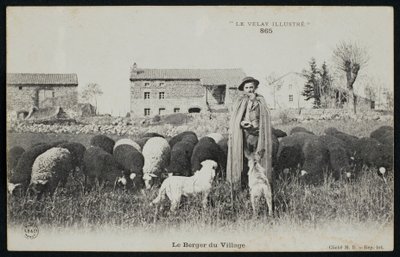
[(339, 157), (21, 175), (384, 134), (190, 136), (101, 166), (316, 159), (381, 132), (300, 129), (349, 140), (77, 151), (223, 144), (372, 153), (278, 133), (132, 161), (290, 152), (14, 154), (207, 149), (181, 154), (104, 142), (152, 134)]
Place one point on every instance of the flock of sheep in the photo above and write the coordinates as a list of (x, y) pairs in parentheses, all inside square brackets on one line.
[(186, 164)]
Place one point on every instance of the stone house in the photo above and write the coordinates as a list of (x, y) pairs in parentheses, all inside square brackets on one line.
[(166, 91), (25, 90), (285, 92)]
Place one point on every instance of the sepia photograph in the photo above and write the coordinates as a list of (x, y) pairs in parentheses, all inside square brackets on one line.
[(200, 128)]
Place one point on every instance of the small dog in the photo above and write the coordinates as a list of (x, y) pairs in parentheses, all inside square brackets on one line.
[(175, 186), (258, 183)]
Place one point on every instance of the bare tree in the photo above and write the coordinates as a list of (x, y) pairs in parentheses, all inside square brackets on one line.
[(91, 92), (273, 80), (350, 58)]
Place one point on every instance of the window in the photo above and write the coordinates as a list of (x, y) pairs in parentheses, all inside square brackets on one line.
[(161, 95), (162, 84), (146, 84), (146, 111), (54, 94), (20, 88), (161, 111), (146, 95), (290, 98), (176, 110)]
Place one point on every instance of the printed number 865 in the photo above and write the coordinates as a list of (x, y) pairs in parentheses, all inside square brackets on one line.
[(266, 30)]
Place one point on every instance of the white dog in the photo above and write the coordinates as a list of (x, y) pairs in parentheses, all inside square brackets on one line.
[(258, 183), (175, 186)]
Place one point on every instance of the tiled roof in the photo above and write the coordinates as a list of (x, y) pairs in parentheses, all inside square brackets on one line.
[(231, 77), (42, 79)]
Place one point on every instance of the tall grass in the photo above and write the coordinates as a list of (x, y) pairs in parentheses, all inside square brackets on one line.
[(366, 199)]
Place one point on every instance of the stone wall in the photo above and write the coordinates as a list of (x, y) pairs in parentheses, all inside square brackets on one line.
[(22, 98)]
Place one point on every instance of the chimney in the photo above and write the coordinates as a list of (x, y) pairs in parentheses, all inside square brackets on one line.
[(134, 70)]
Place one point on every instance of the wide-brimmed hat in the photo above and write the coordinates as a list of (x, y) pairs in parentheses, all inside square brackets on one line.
[(248, 80)]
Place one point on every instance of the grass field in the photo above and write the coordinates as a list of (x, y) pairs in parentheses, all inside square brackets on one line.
[(366, 200)]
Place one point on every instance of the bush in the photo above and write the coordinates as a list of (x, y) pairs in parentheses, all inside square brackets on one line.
[(156, 118), (284, 116), (176, 119)]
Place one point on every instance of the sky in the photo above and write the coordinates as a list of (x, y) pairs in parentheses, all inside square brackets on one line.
[(100, 44)]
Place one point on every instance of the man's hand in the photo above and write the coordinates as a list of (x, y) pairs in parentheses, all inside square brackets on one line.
[(252, 96), (245, 124)]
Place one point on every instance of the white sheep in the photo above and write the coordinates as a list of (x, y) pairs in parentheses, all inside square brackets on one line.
[(175, 186), (259, 184), (157, 154), (127, 141), (218, 138), (49, 169)]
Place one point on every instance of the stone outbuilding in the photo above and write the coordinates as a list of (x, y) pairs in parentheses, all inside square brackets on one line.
[(25, 90), (166, 91)]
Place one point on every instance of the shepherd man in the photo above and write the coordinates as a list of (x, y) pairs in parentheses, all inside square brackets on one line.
[(249, 132)]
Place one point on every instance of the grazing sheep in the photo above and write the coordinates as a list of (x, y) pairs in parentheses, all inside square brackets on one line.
[(349, 140), (180, 136), (20, 177), (224, 145), (77, 151), (127, 141), (181, 154), (216, 136), (50, 169), (384, 134), (100, 166), (258, 183), (207, 149), (339, 156), (152, 134), (372, 153), (133, 161), (157, 154), (14, 154), (316, 159), (300, 129), (382, 131), (104, 142), (278, 133), (290, 151), (175, 186)]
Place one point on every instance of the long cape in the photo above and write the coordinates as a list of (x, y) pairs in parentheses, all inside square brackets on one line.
[(235, 143)]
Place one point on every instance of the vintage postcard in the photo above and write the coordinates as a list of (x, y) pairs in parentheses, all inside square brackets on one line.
[(201, 128)]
